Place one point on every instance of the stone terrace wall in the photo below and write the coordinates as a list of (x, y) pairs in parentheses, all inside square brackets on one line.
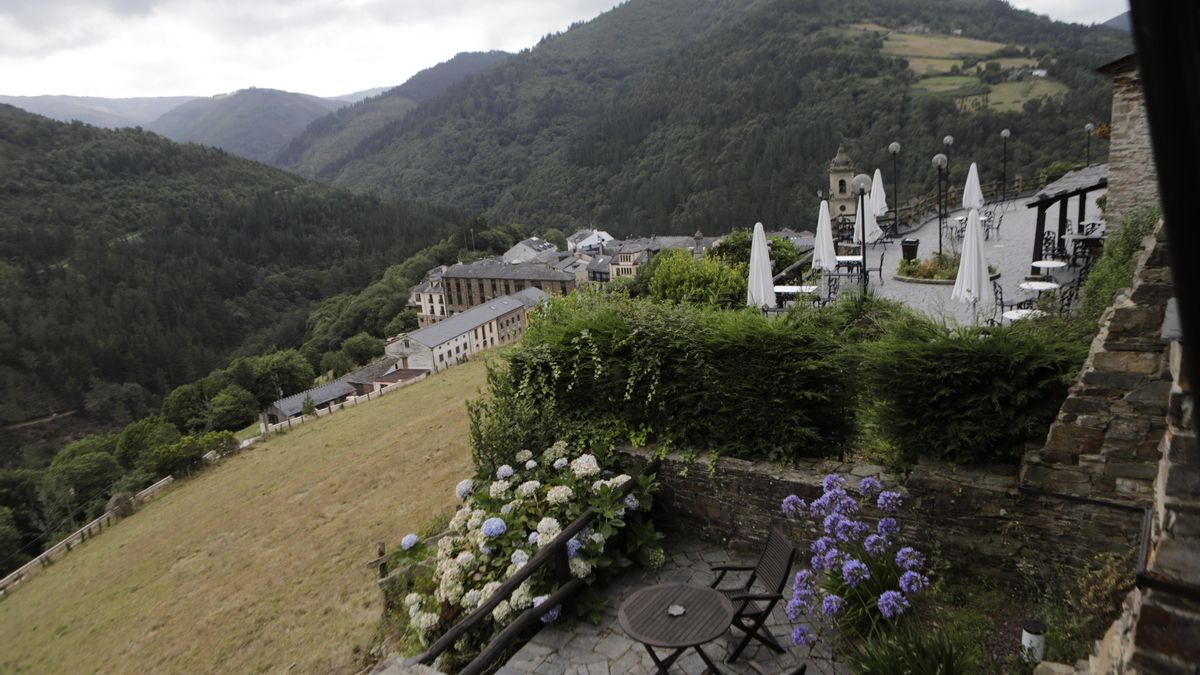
[(1132, 180), (1105, 442), (976, 515)]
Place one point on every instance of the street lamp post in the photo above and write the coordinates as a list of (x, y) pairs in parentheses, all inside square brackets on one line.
[(948, 141), (894, 148), (940, 162), (862, 185), (1089, 128), (1004, 134)]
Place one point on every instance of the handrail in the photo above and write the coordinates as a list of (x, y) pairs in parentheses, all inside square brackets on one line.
[(558, 545), (528, 618)]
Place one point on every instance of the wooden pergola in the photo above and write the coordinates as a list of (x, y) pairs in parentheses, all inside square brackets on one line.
[(1076, 183)]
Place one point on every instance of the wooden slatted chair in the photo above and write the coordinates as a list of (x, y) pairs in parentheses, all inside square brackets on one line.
[(754, 600)]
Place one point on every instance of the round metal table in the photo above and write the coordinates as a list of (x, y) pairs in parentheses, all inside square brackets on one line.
[(1038, 286), (1049, 264), (646, 616), (1018, 314)]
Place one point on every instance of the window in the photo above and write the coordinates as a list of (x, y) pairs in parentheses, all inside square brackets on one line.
[(842, 186)]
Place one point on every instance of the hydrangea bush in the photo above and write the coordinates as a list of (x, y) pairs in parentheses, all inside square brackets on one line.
[(859, 578), (509, 515)]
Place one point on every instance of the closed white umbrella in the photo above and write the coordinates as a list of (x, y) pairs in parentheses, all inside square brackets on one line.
[(878, 196), (761, 288), (873, 232), (971, 285), (824, 253), (972, 194)]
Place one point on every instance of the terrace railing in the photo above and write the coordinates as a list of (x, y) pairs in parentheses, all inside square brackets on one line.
[(554, 553)]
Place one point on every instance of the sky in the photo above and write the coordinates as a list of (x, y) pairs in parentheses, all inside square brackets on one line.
[(123, 48)]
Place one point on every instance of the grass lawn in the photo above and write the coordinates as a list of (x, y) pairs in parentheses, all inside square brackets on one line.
[(926, 66), (945, 83), (249, 432), (1010, 96), (936, 46), (257, 564)]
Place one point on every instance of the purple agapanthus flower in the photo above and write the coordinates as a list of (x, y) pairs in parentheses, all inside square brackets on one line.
[(793, 506), (850, 530), (493, 527), (892, 604), (831, 522), (573, 546), (875, 545), (821, 545), (869, 487), (854, 571), (831, 605), (803, 635), (796, 608), (832, 481), (831, 558), (908, 558), (913, 582), (889, 501), (552, 615), (804, 579), (887, 527)]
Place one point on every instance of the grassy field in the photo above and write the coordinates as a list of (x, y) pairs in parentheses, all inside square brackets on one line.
[(1010, 96), (945, 83), (257, 564), (926, 66), (936, 46)]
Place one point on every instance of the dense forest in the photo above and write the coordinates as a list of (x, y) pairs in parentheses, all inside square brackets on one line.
[(131, 264), (654, 119)]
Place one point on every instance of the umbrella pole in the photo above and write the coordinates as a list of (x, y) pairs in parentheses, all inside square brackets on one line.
[(862, 202)]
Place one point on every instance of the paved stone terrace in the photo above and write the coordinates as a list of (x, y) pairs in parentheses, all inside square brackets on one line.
[(582, 648), (1011, 253)]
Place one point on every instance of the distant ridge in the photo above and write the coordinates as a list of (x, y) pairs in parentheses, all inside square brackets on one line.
[(98, 111), (1120, 22)]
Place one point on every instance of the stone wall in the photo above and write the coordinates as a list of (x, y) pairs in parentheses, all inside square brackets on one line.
[(977, 516), (1132, 180), (1104, 443)]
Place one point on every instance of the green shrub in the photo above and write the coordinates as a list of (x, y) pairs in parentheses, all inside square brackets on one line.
[(702, 378), (680, 277), (1114, 270), (967, 394), (916, 651)]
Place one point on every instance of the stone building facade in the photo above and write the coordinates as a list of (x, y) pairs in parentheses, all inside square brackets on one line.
[(466, 286), (1132, 179), (841, 191)]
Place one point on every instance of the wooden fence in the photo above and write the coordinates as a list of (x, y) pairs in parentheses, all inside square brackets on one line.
[(78, 537), (555, 552), (350, 401)]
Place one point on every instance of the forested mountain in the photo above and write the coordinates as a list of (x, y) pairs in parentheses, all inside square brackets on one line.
[(328, 138), (355, 97), (130, 264), (670, 116), (101, 112), (253, 123)]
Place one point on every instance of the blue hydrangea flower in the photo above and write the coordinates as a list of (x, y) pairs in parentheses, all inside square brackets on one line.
[(632, 502), (560, 462), (519, 558), (889, 501), (531, 464), (504, 472), (803, 635), (892, 604), (464, 488), (552, 615), (854, 571), (869, 487), (409, 541), (493, 527), (831, 605), (908, 558), (792, 506), (875, 545), (573, 546), (913, 582), (533, 538), (888, 527)]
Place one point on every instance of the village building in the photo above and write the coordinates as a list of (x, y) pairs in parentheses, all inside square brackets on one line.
[(633, 253), (1133, 180), (496, 322), (465, 286), (528, 250), (841, 193), (588, 241), (598, 270), (324, 396), (576, 265), (428, 299)]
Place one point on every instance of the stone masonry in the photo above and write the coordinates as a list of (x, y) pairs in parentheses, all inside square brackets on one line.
[(1132, 180), (1105, 442)]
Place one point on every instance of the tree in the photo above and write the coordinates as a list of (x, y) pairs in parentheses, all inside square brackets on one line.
[(11, 555), (281, 373), (105, 443), (403, 322), (363, 348), (555, 236), (679, 277), (144, 434), (308, 408), (336, 363), (734, 249), (186, 408), (233, 408), (77, 482)]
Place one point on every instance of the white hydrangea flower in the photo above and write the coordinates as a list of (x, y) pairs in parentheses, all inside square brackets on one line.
[(548, 528), (412, 599), (445, 546), (524, 456), (509, 571), (597, 538), (522, 597), (528, 488), (560, 463), (490, 588), (502, 611), (471, 599), (451, 590), (559, 449), (498, 489), (425, 621), (519, 558), (619, 480), (559, 494), (465, 559), (459, 521), (464, 489), (579, 567), (599, 484), (531, 465), (584, 466), (449, 569), (507, 508), (476, 519)]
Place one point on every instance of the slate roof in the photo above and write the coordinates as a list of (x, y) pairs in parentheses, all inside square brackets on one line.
[(468, 320), (537, 244), (1080, 180), (290, 406), (600, 263), (493, 269), (370, 372)]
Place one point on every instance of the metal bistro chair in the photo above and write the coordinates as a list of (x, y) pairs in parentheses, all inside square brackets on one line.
[(1000, 306), (752, 606), (1051, 248), (879, 269)]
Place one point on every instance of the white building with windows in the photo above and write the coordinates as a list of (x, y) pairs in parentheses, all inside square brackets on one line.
[(456, 338), (588, 241)]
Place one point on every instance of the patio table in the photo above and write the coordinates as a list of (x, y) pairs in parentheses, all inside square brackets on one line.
[(795, 289), (1018, 314), (1038, 286), (1049, 264), (651, 616)]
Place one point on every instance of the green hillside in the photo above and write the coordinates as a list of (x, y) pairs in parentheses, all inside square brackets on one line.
[(102, 112), (251, 123), (329, 137), (652, 118), (130, 264)]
